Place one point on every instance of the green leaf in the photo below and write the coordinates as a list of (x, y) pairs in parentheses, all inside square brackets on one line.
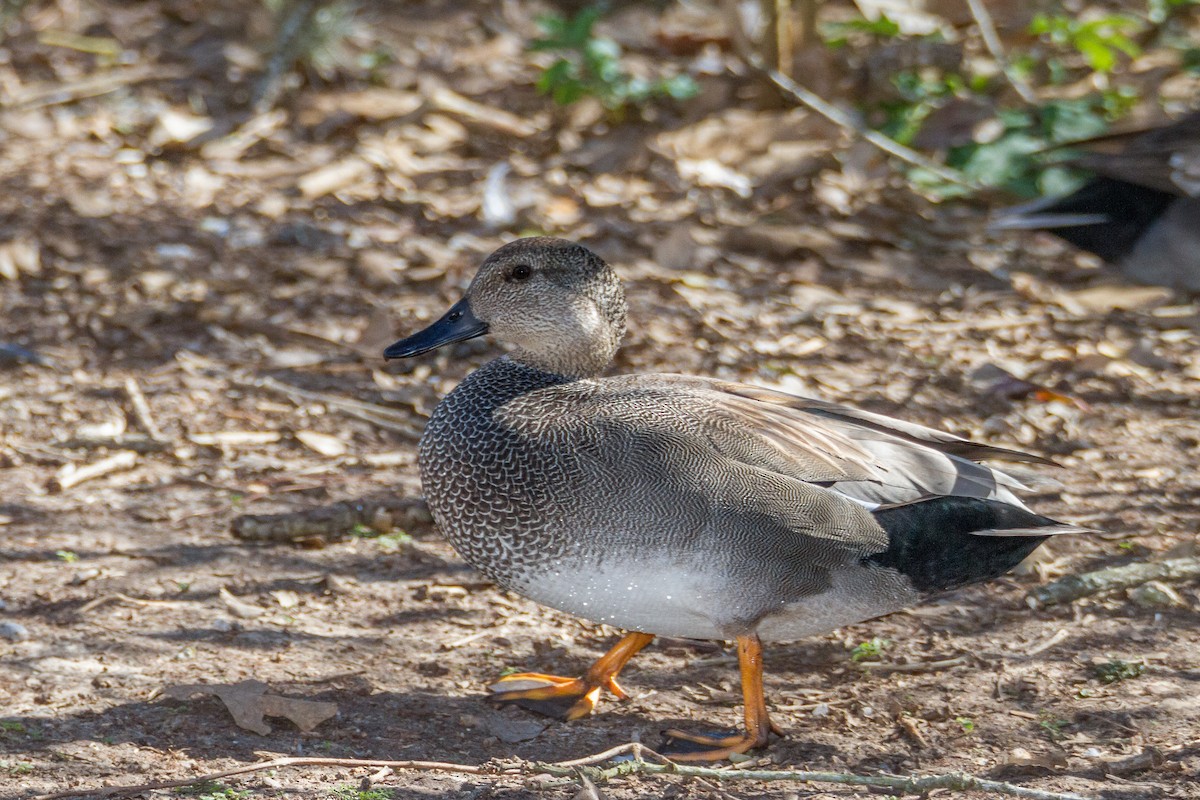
[(1071, 120), (680, 87), (590, 65), (557, 73), (1191, 59), (1115, 670), (935, 186), (579, 29), (553, 25), (568, 92), (1099, 55), (1058, 180), (1002, 161), (869, 649)]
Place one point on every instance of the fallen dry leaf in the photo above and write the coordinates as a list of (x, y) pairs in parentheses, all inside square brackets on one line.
[(322, 443), (19, 256), (235, 438), (286, 598), (512, 729), (1095, 299), (239, 607), (248, 702), (1103, 299), (994, 379), (1021, 760), (178, 127), (333, 177)]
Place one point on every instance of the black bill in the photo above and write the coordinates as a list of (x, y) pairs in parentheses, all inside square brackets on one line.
[(456, 325)]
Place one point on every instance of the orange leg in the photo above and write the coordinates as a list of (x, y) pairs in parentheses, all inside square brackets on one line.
[(547, 693), (758, 722)]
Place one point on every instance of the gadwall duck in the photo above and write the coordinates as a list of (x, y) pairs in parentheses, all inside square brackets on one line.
[(685, 506), (1141, 213)]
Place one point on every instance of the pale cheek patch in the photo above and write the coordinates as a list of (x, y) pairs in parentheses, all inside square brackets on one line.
[(588, 319)]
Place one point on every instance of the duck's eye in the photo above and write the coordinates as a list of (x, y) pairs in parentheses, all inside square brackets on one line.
[(520, 272)]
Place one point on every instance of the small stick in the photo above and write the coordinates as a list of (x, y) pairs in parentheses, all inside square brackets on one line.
[(845, 121), (369, 780), (141, 410), (783, 36), (1074, 587), (811, 706), (451, 102), (331, 522), (296, 20), (231, 146), (1057, 638), (991, 40), (137, 442), (124, 598), (919, 666), (474, 637), (91, 86), (910, 727), (574, 769), (246, 769), (235, 438), (70, 475), (379, 415), (635, 748)]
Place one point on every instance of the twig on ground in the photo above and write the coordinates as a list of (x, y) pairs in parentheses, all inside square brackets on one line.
[(246, 769), (381, 416), (991, 40), (370, 780), (847, 122), (1074, 587), (474, 637), (444, 99), (124, 598), (290, 34), (332, 522), (137, 442), (782, 17), (70, 475), (910, 785), (634, 748), (91, 86), (141, 410), (811, 706), (910, 727), (232, 145), (583, 767), (919, 666), (1058, 637), (1149, 758)]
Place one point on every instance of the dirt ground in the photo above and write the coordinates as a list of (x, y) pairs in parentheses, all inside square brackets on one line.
[(243, 284)]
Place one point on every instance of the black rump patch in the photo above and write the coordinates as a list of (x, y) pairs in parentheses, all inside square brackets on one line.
[(933, 544)]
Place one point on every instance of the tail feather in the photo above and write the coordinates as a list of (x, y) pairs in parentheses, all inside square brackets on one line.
[(1105, 216), (941, 543), (1057, 530)]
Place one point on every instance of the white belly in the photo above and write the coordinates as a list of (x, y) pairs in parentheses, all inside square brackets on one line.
[(856, 595), (663, 601), (661, 598)]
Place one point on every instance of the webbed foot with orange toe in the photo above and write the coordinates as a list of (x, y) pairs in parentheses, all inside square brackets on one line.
[(699, 747), (570, 698)]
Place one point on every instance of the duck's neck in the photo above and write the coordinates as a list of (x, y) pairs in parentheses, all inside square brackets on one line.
[(570, 361)]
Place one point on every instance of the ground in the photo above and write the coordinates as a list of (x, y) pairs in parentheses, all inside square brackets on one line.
[(244, 288)]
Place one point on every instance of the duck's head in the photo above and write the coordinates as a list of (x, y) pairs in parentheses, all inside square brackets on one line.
[(557, 302)]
